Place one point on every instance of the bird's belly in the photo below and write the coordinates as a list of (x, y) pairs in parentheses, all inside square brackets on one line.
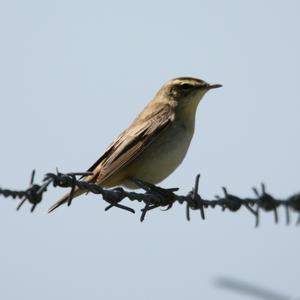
[(160, 158)]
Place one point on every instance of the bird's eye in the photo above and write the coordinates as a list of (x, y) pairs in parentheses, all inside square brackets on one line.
[(186, 86)]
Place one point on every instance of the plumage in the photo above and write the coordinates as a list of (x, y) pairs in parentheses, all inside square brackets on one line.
[(158, 137)]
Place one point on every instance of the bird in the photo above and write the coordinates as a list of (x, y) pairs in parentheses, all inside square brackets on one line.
[(155, 143)]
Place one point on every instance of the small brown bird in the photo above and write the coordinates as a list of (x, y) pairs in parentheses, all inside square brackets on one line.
[(155, 144)]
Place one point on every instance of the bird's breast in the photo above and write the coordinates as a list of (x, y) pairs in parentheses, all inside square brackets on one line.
[(163, 155)]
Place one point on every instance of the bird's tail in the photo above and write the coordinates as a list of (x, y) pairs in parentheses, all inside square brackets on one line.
[(77, 192)]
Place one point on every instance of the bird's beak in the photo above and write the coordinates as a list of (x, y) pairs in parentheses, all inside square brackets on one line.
[(214, 86)]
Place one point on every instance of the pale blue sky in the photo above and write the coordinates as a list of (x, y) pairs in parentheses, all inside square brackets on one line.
[(75, 73)]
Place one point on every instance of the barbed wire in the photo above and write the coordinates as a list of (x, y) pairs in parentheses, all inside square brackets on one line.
[(155, 197), (250, 289)]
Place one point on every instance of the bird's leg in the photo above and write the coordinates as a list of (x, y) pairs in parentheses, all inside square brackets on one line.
[(158, 195)]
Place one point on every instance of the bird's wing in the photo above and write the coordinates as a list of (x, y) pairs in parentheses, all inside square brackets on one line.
[(130, 144)]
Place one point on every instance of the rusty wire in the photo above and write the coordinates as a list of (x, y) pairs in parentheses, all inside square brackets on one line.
[(155, 197)]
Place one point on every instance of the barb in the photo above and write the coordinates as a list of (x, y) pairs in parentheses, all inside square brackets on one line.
[(249, 289), (155, 197)]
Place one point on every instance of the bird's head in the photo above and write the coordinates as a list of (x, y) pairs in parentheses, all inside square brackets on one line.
[(186, 91)]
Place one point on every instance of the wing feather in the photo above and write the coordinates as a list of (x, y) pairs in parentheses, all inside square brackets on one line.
[(131, 143)]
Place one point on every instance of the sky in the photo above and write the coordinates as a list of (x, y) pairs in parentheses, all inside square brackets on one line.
[(74, 74)]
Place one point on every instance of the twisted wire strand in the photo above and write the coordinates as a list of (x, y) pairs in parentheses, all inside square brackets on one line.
[(155, 197)]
